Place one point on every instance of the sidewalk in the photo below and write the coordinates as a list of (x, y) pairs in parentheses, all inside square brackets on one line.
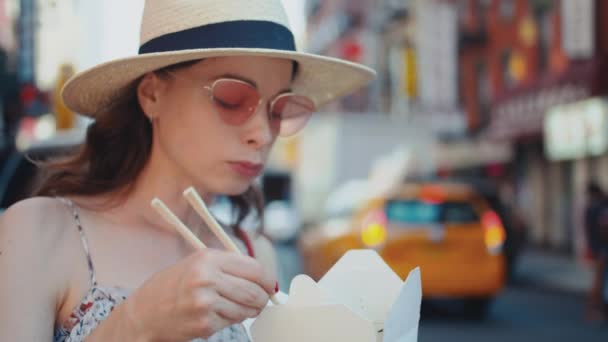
[(547, 271)]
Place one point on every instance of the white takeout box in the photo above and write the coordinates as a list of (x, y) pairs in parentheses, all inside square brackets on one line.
[(360, 299)]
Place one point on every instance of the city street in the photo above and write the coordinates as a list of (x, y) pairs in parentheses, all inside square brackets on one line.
[(466, 139), (519, 314)]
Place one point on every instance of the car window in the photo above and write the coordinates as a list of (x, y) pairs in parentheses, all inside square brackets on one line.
[(421, 212), (398, 211), (17, 176), (459, 212)]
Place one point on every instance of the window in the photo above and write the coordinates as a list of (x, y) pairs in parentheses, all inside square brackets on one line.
[(484, 93), (505, 64), (459, 212), (543, 14), (412, 212), (483, 11), (409, 212), (506, 9)]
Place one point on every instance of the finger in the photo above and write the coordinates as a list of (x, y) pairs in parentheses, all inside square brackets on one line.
[(246, 267), (234, 312), (242, 291), (211, 323)]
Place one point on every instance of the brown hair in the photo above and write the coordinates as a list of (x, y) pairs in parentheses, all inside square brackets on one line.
[(115, 151)]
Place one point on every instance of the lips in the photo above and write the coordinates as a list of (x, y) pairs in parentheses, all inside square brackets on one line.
[(247, 169)]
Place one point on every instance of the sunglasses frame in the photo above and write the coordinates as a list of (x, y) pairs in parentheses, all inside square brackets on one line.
[(270, 104)]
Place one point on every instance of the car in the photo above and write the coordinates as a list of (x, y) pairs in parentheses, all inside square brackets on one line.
[(19, 171), (448, 229)]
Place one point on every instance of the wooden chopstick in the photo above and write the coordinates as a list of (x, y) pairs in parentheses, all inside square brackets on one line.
[(174, 221), (200, 207)]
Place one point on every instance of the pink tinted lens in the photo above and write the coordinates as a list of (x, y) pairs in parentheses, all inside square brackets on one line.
[(291, 112), (235, 101)]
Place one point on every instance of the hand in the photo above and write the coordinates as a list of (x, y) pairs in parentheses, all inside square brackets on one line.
[(200, 295)]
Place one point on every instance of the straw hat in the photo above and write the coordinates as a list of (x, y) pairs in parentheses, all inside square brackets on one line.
[(175, 31)]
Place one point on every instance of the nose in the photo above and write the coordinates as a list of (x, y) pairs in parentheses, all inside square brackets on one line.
[(257, 130)]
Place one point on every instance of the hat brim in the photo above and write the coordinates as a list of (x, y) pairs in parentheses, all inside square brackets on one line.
[(321, 78)]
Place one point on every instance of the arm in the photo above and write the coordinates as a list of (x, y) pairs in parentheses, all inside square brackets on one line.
[(195, 297), (30, 285), (34, 273), (200, 295)]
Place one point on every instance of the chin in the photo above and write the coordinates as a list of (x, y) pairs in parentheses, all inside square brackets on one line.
[(234, 188)]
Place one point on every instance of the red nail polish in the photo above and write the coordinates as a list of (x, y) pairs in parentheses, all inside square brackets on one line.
[(276, 287)]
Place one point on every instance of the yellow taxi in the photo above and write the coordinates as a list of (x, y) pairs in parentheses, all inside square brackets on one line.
[(448, 230)]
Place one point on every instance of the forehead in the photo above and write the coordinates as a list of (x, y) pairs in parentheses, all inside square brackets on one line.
[(264, 71)]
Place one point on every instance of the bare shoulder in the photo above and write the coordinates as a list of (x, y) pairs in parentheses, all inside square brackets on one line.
[(32, 208), (34, 267), (34, 230), (40, 217)]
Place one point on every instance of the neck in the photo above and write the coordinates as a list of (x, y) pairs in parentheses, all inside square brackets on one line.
[(158, 180)]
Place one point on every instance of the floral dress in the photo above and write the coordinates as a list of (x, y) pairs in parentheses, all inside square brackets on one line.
[(99, 302)]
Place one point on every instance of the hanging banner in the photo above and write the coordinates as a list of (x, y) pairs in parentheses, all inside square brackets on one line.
[(577, 130), (437, 52)]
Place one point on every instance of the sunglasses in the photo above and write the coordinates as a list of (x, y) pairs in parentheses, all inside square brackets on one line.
[(235, 101)]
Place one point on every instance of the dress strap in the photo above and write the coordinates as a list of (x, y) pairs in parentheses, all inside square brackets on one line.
[(243, 236), (85, 243)]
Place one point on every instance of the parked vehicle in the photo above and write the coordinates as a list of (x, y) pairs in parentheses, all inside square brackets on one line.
[(449, 230)]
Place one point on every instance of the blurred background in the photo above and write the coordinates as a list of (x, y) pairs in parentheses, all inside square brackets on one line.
[(470, 155)]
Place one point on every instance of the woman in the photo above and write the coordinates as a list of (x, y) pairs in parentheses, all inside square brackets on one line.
[(596, 231), (214, 84)]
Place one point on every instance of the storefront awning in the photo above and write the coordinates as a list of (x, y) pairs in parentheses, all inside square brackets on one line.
[(520, 112)]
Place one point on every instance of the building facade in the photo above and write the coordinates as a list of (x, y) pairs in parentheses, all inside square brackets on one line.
[(520, 61)]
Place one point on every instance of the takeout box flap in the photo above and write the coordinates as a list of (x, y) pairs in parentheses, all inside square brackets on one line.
[(363, 282), (401, 325), (324, 323), (305, 291)]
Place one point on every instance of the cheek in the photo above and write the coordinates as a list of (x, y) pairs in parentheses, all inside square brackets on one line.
[(194, 136), (190, 134)]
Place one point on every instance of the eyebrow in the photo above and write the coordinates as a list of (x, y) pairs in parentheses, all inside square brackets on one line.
[(247, 80)]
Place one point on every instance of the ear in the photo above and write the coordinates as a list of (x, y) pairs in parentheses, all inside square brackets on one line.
[(149, 91)]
